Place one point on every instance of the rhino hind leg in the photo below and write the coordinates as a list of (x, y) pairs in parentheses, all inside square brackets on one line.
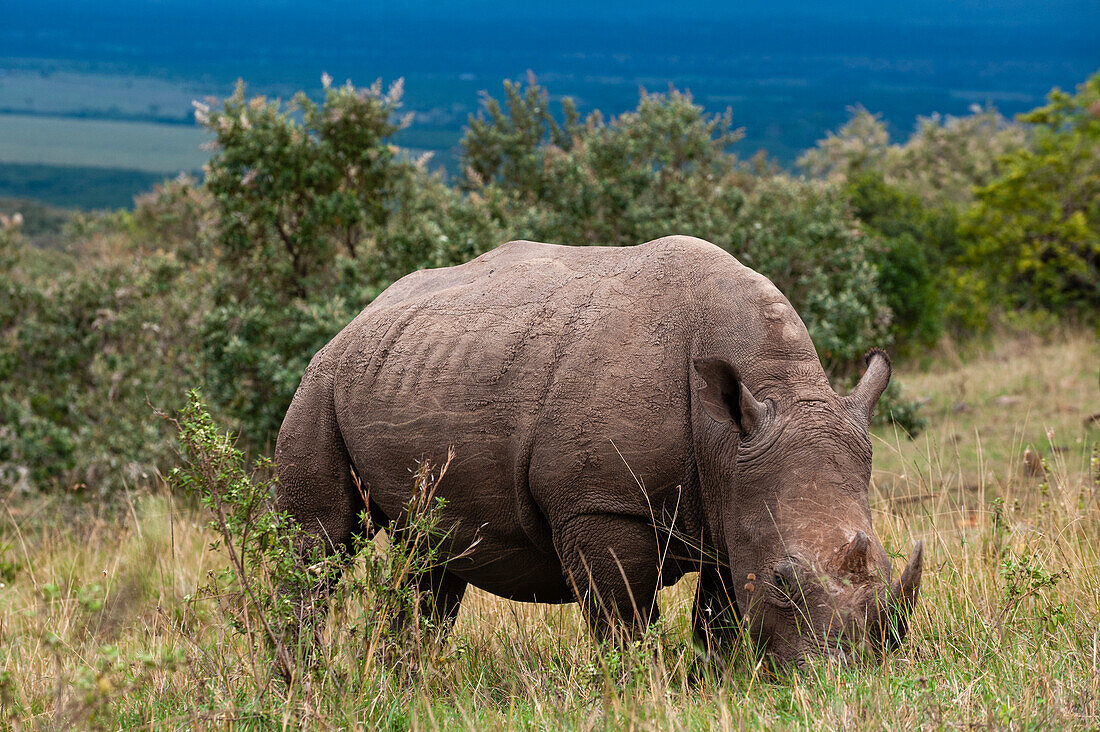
[(316, 484), (716, 619), (440, 598), (612, 564)]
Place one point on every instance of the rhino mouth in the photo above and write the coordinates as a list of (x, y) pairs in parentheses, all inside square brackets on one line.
[(844, 619)]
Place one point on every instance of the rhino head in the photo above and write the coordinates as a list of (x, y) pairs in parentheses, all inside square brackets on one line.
[(788, 479)]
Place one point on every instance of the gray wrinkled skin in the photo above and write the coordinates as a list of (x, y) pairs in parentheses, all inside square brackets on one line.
[(620, 417)]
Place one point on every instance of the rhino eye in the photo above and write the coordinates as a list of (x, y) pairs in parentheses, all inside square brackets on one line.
[(785, 580), (783, 590)]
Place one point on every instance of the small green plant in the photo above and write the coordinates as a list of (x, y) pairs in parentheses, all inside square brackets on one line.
[(1026, 579), (279, 585), (258, 541)]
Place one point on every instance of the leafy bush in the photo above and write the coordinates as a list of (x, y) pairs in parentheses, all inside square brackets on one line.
[(314, 213), (915, 245), (1037, 225), (801, 235), (941, 162), (660, 169), (947, 156), (277, 582), (509, 148), (910, 195), (177, 216), (297, 192), (85, 349), (256, 351), (860, 146), (290, 194)]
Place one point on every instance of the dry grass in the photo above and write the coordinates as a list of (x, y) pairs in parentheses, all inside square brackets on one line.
[(96, 629)]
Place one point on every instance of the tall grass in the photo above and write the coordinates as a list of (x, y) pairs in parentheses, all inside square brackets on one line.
[(103, 622)]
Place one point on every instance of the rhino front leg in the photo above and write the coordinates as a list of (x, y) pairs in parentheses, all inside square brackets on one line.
[(612, 564), (715, 617)]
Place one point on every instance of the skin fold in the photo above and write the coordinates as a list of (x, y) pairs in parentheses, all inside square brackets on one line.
[(619, 417)]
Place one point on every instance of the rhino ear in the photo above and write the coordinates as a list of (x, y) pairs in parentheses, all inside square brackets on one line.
[(724, 397), (874, 381)]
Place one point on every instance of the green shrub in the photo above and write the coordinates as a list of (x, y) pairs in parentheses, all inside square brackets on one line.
[(277, 585), (658, 170), (86, 349), (861, 145), (295, 184), (507, 144), (1036, 227), (946, 157), (314, 212), (255, 352), (916, 243), (941, 162)]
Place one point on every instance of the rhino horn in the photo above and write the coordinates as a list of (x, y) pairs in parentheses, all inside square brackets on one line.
[(856, 557), (903, 596)]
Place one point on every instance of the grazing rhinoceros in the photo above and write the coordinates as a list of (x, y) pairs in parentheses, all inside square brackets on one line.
[(620, 417)]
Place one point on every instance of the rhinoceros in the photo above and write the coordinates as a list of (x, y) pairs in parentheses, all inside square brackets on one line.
[(619, 417)]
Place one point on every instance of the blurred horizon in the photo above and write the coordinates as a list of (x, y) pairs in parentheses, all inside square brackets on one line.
[(109, 85)]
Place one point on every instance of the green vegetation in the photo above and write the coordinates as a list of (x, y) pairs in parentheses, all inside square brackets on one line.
[(86, 344), (308, 211), (972, 228), (311, 219), (1037, 226)]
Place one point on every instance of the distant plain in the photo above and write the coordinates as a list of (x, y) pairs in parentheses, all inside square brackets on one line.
[(101, 143), (787, 75)]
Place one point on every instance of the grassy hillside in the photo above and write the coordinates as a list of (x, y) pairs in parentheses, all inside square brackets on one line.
[(100, 625), (985, 413)]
